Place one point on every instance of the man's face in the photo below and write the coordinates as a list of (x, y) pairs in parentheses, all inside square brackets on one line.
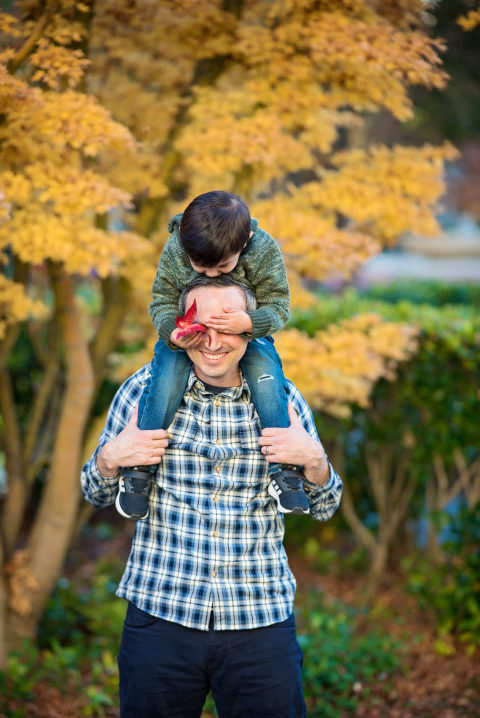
[(217, 356)]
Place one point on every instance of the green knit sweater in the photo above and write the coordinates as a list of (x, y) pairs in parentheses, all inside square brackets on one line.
[(260, 267)]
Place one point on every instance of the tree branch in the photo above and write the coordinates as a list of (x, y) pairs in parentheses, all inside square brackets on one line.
[(29, 44), (15, 501), (115, 297), (365, 537), (41, 400)]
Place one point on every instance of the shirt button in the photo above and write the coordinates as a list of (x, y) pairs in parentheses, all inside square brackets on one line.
[(217, 403), (217, 469), (218, 441), (215, 534), (215, 498), (214, 573)]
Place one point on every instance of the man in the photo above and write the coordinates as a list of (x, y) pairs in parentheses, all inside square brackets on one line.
[(208, 583)]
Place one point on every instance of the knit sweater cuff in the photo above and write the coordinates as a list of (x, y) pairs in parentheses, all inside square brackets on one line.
[(263, 322), (165, 329)]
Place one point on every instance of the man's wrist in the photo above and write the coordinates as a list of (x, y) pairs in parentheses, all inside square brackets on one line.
[(106, 465), (316, 467)]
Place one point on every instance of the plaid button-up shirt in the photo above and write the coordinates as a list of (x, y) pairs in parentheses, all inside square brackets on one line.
[(213, 539)]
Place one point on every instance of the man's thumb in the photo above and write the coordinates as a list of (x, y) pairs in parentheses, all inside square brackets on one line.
[(293, 415), (133, 419)]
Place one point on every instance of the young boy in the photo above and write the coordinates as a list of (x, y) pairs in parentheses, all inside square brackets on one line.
[(215, 235)]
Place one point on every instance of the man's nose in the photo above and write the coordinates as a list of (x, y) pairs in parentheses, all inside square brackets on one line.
[(212, 339), (212, 272)]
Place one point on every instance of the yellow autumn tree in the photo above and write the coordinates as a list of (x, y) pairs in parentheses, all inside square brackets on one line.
[(263, 99), (55, 201), (114, 115)]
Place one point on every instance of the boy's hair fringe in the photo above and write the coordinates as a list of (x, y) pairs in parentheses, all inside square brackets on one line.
[(214, 226)]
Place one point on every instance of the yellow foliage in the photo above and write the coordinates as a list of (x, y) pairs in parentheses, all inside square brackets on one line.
[(184, 96), (294, 71), (73, 241), (51, 184), (471, 20), (10, 25), (312, 244), (16, 306), (338, 366), (64, 189), (55, 65), (385, 191)]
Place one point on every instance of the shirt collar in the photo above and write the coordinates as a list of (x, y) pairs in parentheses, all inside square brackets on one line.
[(196, 385)]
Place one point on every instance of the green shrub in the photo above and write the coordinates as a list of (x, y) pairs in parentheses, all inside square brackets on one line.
[(343, 663), (425, 419), (451, 591), (435, 293), (78, 642)]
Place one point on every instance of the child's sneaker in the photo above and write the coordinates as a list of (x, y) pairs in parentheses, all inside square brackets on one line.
[(133, 490), (286, 487)]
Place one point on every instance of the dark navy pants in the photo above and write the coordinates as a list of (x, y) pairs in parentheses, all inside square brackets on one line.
[(167, 670)]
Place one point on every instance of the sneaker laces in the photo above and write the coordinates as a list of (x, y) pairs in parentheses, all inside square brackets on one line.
[(137, 486), (292, 482)]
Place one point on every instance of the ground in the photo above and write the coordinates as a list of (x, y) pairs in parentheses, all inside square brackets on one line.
[(429, 686)]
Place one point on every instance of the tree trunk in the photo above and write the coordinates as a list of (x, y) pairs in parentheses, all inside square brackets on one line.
[(51, 532), (14, 504), (3, 614), (378, 563)]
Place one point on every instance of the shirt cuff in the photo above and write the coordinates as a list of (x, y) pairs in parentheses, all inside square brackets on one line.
[(315, 490), (99, 478)]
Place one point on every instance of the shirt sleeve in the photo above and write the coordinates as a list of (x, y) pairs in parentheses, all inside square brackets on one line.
[(324, 500), (97, 489)]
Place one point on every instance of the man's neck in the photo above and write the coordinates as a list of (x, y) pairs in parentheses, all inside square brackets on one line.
[(214, 389)]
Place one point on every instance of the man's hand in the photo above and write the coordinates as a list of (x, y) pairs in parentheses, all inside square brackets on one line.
[(132, 447), (186, 342), (295, 446), (232, 321)]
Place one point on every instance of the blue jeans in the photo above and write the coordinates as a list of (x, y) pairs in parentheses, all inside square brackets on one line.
[(167, 670), (261, 367)]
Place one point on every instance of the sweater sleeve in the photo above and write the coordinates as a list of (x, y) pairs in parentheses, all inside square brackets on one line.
[(173, 274), (268, 279)]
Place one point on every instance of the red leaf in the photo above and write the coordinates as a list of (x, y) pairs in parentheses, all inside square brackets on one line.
[(187, 324)]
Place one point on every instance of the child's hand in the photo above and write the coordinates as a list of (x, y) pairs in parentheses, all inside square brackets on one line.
[(188, 341), (233, 321)]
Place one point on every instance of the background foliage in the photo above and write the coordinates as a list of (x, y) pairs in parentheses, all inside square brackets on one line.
[(114, 116)]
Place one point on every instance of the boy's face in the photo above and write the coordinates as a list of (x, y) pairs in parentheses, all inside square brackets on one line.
[(223, 267)]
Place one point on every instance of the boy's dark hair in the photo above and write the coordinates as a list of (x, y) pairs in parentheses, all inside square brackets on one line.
[(214, 226)]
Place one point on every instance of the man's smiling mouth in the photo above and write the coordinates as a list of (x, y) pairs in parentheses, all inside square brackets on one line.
[(214, 357)]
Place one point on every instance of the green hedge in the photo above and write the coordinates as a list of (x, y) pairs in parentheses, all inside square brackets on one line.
[(428, 416)]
